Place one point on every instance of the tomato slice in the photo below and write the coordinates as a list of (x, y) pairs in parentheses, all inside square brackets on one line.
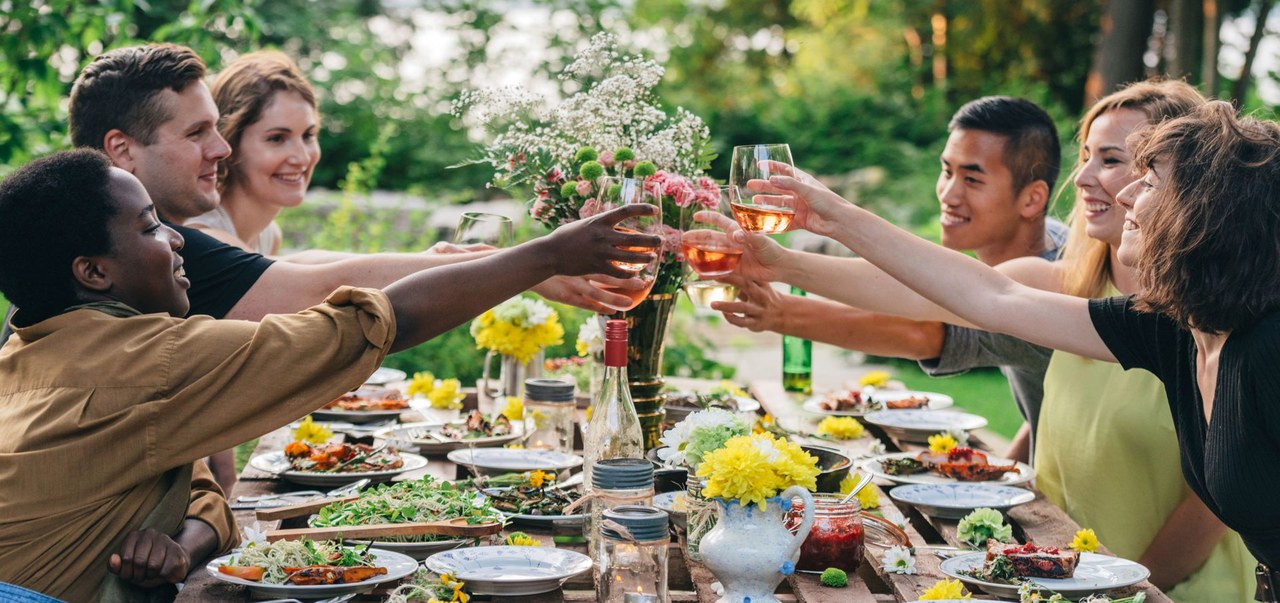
[(251, 573)]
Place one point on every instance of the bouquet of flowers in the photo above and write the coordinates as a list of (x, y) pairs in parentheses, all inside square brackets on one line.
[(614, 126), (519, 327), (689, 441), (755, 468)]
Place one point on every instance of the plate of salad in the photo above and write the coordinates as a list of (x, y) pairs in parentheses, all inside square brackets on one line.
[(536, 501), (309, 569)]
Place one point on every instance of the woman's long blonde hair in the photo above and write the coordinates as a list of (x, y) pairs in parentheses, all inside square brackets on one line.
[(1087, 261)]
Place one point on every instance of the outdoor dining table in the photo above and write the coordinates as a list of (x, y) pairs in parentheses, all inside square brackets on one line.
[(1039, 521)]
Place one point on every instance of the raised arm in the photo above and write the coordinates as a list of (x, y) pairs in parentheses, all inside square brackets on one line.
[(970, 289)]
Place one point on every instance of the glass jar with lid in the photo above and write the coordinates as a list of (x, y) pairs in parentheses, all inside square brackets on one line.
[(836, 539), (548, 414), (631, 566), (616, 482)]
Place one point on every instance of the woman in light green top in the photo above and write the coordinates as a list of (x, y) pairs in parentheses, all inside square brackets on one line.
[(1106, 451)]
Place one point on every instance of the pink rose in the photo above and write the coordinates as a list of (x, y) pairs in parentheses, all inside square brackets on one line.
[(584, 188), (540, 209), (709, 199), (590, 208), (678, 188), (555, 176), (655, 184), (606, 159), (708, 184)]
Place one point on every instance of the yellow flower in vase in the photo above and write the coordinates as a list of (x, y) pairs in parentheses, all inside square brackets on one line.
[(519, 327), (1085, 541), (422, 383), (945, 589), (875, 379), (841, 428), (446, 394), (514, 410), (751, 469)]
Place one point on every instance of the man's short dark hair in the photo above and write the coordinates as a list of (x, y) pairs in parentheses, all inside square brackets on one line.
[(120, 90), (52, 211), (1031, 149)]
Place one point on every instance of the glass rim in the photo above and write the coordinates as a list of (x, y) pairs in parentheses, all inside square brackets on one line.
[(762, 144), (484, 215)]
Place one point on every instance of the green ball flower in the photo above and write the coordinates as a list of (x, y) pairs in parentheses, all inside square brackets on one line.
[(615, 192), (569, 189), (591, 170), (645, 169), (834, 577), (585, 154), (623, 154)]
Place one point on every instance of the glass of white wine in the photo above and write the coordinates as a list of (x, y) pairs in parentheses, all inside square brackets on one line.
[(756, 162), (479, 228)]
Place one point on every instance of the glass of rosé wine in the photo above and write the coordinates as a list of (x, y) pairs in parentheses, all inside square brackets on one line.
[(752, 210), (707, 248), (614, 192)]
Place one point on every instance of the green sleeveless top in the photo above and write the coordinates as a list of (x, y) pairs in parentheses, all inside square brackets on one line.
[(1107, 454)]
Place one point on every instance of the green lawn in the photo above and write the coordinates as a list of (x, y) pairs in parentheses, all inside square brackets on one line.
[(982, 391)]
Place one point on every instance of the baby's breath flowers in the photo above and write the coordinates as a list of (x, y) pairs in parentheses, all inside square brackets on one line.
[(519, 327), (1085, 541), (752, 469), (841, 428), (945, 589)]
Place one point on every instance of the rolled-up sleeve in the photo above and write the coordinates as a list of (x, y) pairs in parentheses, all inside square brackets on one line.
[(209, 504)]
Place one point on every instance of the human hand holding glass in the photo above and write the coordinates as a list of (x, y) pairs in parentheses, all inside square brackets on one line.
[(479, 228), (617, 192), (759, 213)]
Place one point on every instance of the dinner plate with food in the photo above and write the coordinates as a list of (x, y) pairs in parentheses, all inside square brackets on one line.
[(494, 461), (859, 402), (1002, 568), (954, 501), (365, 405), (960, 465), (918, 425), (336, 464), (309, 570), (476, 430), (510, 570), (536, 507)]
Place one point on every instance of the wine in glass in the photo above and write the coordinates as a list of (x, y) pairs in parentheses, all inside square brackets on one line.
[(706, 244), (755, 212), (703, 293), (479, 228), (615, 192)]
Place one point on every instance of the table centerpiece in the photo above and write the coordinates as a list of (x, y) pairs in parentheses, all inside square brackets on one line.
[(614, 125)]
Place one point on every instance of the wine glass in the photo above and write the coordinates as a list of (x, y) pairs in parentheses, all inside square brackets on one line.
[(479, 228), (709, 252), (752, 162), (615, 192)]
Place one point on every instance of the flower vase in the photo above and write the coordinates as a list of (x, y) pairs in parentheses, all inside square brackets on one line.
[(750, 550), (646, 332), (510, 378)]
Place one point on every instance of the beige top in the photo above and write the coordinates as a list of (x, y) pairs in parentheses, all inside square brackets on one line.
[(95, 409), (267, 241)]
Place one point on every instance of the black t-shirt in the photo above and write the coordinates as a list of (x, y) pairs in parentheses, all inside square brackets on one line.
[(220, 274), (1232, 463)]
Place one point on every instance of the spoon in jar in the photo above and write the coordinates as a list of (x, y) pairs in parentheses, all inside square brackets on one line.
[(866, 479)]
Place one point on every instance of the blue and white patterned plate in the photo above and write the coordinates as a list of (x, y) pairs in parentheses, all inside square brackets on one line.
[(510, 570), (918, 425), (1095, 574), (957, 500), (491, 461), (398, 566)]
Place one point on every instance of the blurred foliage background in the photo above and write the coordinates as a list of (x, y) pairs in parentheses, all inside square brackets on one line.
[(861, 89)]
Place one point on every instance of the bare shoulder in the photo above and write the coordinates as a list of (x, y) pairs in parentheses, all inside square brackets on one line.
[(1034, 272), (221, 235)]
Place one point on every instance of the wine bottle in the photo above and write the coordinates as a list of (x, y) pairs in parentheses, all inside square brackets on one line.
[(797, 360), (614, 429)]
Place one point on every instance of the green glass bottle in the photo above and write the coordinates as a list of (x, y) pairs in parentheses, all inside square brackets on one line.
[(797, 360)]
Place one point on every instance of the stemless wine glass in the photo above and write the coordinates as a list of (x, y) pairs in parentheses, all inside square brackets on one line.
[(615, 192), (751, 162), (479, 228), (709, 252)]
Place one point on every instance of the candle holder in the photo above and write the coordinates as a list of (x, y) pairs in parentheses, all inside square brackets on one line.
[(631, 566)]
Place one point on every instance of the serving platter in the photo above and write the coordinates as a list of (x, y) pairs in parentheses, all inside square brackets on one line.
[(421, 436), (276, 463), (936, 401), (491, 461), (398, 566), (955, 500), (510, 570), (918, 425), (872, 465), (385, 375), (1095, 574)]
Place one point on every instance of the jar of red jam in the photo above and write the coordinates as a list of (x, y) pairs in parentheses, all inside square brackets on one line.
[(836, 538)]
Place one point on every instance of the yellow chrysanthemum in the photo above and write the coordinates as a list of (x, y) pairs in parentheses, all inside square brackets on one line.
[(875, 379), (446, 394), (537, 478), (763, 423), (311, 433), (842, 428), (945, 589), (752, 469), (514, 409), (422, 383), (521, 539), (732, 389), (868, 497), (521, 341), (942, 442), (456, 585), (1085, 541)]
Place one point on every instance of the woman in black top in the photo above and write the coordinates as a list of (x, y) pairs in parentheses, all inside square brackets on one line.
[(1203, 230)]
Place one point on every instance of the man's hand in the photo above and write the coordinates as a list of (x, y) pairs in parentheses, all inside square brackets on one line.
[(815, 205), (580, 292), (594, 246), (149, 558), (761, 255)]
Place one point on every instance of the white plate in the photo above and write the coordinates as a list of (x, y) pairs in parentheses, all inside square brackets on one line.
[(918, 425), (273, 462), (417, 434), (872, 465), (667, 502), (546, 522), (385, 375), (398, 566), (1095, 574), (956, 500), (489, 461), (744, 403), (421, 550), (936, 401), (510, 570)]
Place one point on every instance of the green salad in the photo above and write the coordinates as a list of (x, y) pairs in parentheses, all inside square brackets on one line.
[(427, 499)]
